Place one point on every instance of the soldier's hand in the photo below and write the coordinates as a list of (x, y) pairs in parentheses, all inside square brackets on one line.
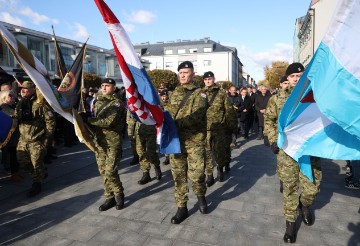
[(274, 148)]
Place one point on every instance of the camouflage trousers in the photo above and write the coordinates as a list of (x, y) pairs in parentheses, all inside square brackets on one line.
[(132, 137), (107, 158), (293, 180), (217, 145), (31, 156), (146, 149), (191, 162)]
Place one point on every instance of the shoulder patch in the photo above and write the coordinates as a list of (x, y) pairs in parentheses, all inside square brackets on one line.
[(117, 104), (203, 94)]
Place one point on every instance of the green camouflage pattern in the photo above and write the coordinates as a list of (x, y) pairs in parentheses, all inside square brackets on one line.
[(131, 122), (221, 121), (108, 128), (31, 150), (293, 180), (191, 124), (146, 146)]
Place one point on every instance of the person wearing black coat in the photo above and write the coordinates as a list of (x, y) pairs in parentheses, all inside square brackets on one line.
[(261, 101), (245, 110), (235, 102)]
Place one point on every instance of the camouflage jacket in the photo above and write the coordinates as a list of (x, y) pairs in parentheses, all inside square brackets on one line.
[(109, 119), (142, 129), (274, 106), (36, 120), (220, 113), (192, 116)]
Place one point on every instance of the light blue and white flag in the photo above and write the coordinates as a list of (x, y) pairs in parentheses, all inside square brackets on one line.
[(322, 115)]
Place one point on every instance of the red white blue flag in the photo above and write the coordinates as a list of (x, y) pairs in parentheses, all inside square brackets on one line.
[(142, 97)]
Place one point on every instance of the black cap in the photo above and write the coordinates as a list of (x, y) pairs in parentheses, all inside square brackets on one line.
[(208, 74), (186, 64), (283, 79), (108, 81), (295, 67)]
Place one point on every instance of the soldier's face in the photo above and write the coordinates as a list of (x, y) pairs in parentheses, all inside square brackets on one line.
[(27, 92), (107, 89), (186, 76), (293, 79), (209, 81), (284, 85)]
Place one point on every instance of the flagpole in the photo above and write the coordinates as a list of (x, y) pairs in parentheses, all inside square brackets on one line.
[(57, 53)]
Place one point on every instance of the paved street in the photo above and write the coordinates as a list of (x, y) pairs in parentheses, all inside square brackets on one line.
[(246, 209)]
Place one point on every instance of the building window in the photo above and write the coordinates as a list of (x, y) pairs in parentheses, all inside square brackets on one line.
[(168, 65), (168, 52), (193, 50), (182, 51), (207, 62), (209, 49)]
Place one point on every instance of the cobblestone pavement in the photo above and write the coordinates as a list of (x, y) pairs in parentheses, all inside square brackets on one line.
[(245, 209)]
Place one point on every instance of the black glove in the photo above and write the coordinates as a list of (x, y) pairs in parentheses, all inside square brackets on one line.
[(274, 148)]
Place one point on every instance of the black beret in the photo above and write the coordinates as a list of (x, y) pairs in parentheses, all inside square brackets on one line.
[(295, 67), (208, 74), (186, 64), (283, 79), (108, 81)]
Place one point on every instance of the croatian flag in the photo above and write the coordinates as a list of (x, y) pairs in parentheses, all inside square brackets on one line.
[(322, 115), (142, 97)]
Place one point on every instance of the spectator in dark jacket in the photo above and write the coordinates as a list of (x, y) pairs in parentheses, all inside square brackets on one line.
[(260, 106), (235, 102)]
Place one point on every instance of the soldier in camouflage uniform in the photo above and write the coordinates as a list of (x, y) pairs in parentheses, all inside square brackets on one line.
[(108, 125), (288, 169), (36, 126), (131, 122), (190, 118), (221, 122), (146, 148)]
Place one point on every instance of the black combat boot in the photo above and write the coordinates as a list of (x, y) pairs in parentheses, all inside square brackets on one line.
[(180, 216), (307, 217), (145, 178), (167, 160), (290, 234), (210, 180), (281, 187), (109, 203), (202, 204), (119, 199), (158, 173), (227, 167), (220, 174), (35, 189), (135, 160)]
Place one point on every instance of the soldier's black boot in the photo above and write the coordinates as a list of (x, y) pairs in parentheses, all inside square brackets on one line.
[(210, 180), (180, 216), (158, 173), (109, 203), (202, 204), (290, 233), (220, 174), (145, 178), (35, 189), (166, 161), (281, 187), (119, 199), (307, 217), (227, 167), (135, 160)]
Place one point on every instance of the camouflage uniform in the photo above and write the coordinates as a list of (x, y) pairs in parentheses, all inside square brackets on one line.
[(191, 124), (131, 122), (221, 120), (108, 127), (146, 146), (287, 168), (36, 125)]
